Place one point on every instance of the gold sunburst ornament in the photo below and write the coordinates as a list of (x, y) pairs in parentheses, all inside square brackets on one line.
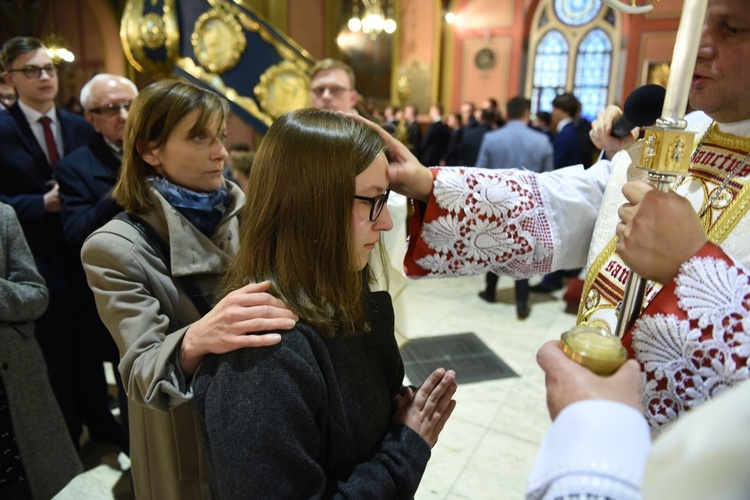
[(283, 87), (153, 30), (218, 41)]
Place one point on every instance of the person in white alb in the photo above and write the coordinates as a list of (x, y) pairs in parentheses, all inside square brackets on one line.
[(690, 338)]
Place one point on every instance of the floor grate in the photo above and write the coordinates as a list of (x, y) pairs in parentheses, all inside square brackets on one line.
[(465, 353)]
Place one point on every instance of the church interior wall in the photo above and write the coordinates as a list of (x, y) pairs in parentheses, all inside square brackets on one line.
[(439, 59)]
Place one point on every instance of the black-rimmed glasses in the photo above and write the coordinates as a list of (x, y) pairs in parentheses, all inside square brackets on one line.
[(334, 91), (376, 204), (35, 72), (111, 109)]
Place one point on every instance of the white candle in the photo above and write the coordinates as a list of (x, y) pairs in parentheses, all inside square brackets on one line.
[(683, 59)]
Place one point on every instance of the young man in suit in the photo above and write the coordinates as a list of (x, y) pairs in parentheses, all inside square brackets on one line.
[(567, 144), (36, 135)]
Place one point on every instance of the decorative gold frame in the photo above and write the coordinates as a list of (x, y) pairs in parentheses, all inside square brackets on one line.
[(218, 41), (283, 87), (152, 31), (657, 72)]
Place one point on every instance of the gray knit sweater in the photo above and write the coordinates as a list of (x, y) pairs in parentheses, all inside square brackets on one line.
[(309, 417)]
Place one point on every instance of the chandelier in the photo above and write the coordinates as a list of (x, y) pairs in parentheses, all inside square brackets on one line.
[(55, 44), (57, 50), (374, 20)]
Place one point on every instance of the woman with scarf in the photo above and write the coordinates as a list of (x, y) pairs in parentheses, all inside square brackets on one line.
[(154, 272)]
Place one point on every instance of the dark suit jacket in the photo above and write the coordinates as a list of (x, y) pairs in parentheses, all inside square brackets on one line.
[(471, 143), (567, 147), (452, 155), (24, 177), (434, 143), (414, 134), (86, 177)]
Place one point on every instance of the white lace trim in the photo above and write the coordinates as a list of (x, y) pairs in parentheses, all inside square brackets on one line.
[(692, 360), (495, 220)]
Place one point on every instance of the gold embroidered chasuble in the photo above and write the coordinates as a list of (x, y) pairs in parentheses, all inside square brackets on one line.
[(717, 185)]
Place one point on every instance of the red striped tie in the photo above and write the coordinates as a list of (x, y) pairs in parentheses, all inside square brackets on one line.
[(49, 139)]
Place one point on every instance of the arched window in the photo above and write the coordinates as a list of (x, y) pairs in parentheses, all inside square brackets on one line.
[(573, 47), (550, 68), (593, 69)]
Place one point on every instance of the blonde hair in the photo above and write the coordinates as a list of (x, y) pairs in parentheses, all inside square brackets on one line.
[(326, 64), (152, 117), (296, 226)]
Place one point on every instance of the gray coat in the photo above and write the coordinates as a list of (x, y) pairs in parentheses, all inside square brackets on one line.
[(515, 145), (148, 313), (48, 455)]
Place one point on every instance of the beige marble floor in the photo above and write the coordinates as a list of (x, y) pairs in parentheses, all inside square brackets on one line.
[(487, 448)]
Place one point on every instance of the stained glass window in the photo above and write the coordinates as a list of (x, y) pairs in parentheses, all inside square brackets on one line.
[(550, 70), (577, 12), (592, 72), (577, 49)]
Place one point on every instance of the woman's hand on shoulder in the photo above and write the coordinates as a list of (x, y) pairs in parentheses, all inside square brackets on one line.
[(225, 328), (427, 410)]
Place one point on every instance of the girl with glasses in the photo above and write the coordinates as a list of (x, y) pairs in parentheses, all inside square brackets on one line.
[(323, 413)]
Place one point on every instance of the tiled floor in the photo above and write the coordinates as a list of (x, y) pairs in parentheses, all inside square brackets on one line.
[(487, 448)]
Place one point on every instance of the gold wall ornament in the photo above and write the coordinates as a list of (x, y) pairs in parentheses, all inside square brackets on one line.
[(153, 30), (146, 35), (485, 58), (404, 90), (283, 87), (218, 41)]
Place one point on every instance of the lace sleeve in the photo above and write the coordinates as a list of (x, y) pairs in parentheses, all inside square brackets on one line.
[(692, 340), (512, 222)]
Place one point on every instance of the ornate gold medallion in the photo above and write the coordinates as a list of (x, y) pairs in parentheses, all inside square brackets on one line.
[(283, 87), (218, 41), (153, 31)]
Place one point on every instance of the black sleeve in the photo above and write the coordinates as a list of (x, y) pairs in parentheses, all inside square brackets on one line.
[(264, 416)]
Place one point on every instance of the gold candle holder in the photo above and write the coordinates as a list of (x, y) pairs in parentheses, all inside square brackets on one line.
[(595, 348)]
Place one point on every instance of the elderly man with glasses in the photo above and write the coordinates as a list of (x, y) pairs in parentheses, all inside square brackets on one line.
[(35, 136), (86, 177)]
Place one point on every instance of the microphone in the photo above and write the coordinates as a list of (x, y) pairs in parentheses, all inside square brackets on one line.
[(642, 108)]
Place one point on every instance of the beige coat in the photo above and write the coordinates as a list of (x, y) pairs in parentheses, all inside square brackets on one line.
[(147, 314), (47, 453)]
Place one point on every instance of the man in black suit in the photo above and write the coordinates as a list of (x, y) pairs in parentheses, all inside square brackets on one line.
[(436, 138), (413, 132), (86, 177), (35, 135), (472, 139)]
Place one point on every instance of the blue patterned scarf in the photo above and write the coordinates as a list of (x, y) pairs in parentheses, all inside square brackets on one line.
[(203, 210)]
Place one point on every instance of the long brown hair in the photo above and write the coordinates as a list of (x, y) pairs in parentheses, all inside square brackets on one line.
[(296, 224), (152, 117)]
